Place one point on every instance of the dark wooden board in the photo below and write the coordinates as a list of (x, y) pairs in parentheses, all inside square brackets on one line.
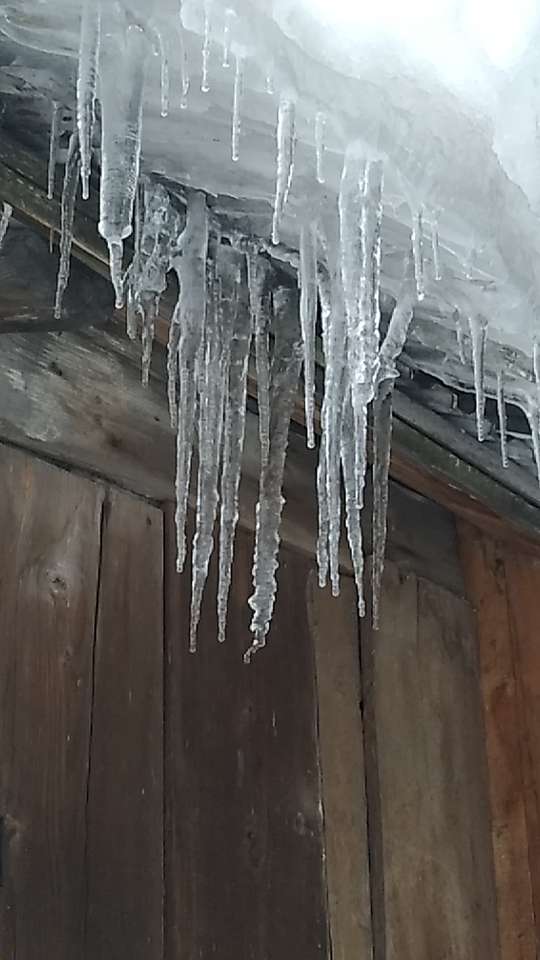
[(244, 834), (506, 737), (125, 797), (429, 811), (50, 523)]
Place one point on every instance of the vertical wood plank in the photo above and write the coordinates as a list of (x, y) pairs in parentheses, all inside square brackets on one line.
[(485, 577), (244, 836), (334, 623), (433, 814), (50, 523), (125, 800), (523, 592)]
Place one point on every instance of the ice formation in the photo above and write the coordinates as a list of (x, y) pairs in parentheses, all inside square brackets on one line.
[(321, 123)]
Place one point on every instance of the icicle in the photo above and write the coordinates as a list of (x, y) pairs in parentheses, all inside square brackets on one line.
[(237, 99), (460, 335), (320, 123), (501, 410), (229, 15), (324, 526), (164, 72), (256, 273), (211, 403), (435, 249), (122, 81), (233, 444), (270, 86), (417, 238), (148, 333), (353, 505), (86, 86), (53, 147), (69, 194), (205, 87), (308, 319), (533, 415), (184, 68), (382, 438), (285, 373), (172, 365), (7, 211), (478, 329), (192, 307), (285, 160)]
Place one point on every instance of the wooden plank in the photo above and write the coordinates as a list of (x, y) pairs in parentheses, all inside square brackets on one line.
[(125, 790), (334, 624), (432, 814), (244, 836), (523, 592), (484, 570), (50, 522)]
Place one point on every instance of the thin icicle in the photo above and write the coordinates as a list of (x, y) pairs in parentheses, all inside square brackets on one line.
[(53, 147), (205, 86), (417, 240), (237, 100), (69, 193), (382, 439), (435, 249), (323, 526), (460, 335), (257, 270), (353, 506), (478, 329), (172, 365), (501, 410), (164, 72), (184, 67), (86, 86), (229, 16), (286, 144), (5, 219), (122, 81), (308, 319), (233, 444), (192, 307), (211, 403), (320, 124), (285, 372)]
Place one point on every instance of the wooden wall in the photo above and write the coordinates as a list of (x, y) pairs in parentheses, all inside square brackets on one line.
[(348, 795)]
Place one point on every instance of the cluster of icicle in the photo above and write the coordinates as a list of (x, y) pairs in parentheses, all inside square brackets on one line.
[(228, 307)]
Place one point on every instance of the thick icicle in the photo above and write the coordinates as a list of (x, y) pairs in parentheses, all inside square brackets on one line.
[(320, 123), (460, 335), (122, 82), (501, 410), (285, 372), (435, 249), (233, 444), (237, 100), (417, 239), (69, 193), (211, 402), (308, 319), (5, 219), (53, 147), (257, 270), (205, 86), (286, 144), (87, 84), (192, 307), (478, 329)]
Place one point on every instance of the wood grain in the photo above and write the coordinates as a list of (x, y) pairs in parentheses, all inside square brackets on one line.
[(50, 522), (244, 837), (335, 628), (431, 780), (485, 575), (125, 790)]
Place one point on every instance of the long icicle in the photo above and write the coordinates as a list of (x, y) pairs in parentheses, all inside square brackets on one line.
[(460, 336), (205, 85), (308, 319), (237, 100), (54, 137), (320, 124), (417, 239), (478, 329), (69, 193), (286, 143), (233, 445), (435, 248), (211, 402), (87, 85), (257, 269), (285, 372), (192, 306), (501, 411)]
